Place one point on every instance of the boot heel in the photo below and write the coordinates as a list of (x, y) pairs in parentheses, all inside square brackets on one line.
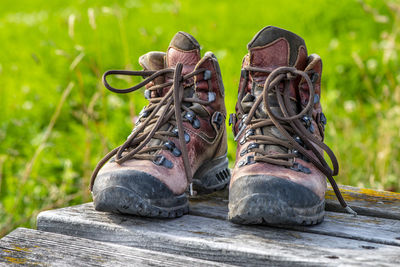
[(212, 176)]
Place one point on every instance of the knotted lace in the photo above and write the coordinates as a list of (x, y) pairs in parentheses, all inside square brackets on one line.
[(290, 124), (172, 106)]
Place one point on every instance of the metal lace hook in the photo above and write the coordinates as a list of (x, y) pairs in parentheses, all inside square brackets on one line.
[(241, 130)]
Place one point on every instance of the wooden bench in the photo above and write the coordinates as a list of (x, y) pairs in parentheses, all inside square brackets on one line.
[(36, 248), (205, 237)]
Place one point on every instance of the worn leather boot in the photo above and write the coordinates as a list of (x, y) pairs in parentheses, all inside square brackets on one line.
[(280, 173), (179, 141)]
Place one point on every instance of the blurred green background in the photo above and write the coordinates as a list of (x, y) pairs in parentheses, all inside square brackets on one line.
[(57, 120)]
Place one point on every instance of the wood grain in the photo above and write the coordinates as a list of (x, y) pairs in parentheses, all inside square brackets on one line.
[(217, 240), (35, 248), (366, 228), (368, 202)]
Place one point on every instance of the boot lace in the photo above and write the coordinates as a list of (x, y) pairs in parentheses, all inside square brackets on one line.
[(172, 110), (291, 125)]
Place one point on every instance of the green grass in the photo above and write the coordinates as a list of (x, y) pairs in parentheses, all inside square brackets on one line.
[(57, 120)]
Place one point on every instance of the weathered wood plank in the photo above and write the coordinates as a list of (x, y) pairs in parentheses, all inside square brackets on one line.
[(368, 202), (36, 248), (366, 228), (217, 240)]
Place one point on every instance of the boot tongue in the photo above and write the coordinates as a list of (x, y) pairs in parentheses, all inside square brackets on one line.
[(273, 47), (152, 60), (183, 49), (269, 49)]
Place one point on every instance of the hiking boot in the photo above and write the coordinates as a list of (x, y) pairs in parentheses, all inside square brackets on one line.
[(280, 173), (179, 141)]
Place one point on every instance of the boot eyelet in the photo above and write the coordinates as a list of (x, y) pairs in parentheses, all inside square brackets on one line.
[(314, 77), (250, 160), (144, 113), (300, 168), (160, 160), (207, 75), (243, 73), (169, 145), (249, 132), (316, 99), (190, 116), (186, 135), (211, 97), (307, 121), (241, 163), (298, 140), (172, 147), (322, 118), (249, 147), (196, 123), (147, 94), (217, 119), (242, 122), (176, 152), (243, 140), (253, 145)]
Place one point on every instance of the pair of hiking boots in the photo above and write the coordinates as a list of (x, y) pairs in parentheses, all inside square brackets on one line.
[(179, 142)]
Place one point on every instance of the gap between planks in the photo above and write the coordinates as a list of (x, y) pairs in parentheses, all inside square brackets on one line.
[(218, 240)]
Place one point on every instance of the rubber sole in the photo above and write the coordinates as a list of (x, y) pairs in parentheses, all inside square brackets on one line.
[(273, 201), (259, 209), (122, 200), (140, 194)]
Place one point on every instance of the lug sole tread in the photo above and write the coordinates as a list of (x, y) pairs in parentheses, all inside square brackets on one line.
[(261, 209), (121, 200)]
